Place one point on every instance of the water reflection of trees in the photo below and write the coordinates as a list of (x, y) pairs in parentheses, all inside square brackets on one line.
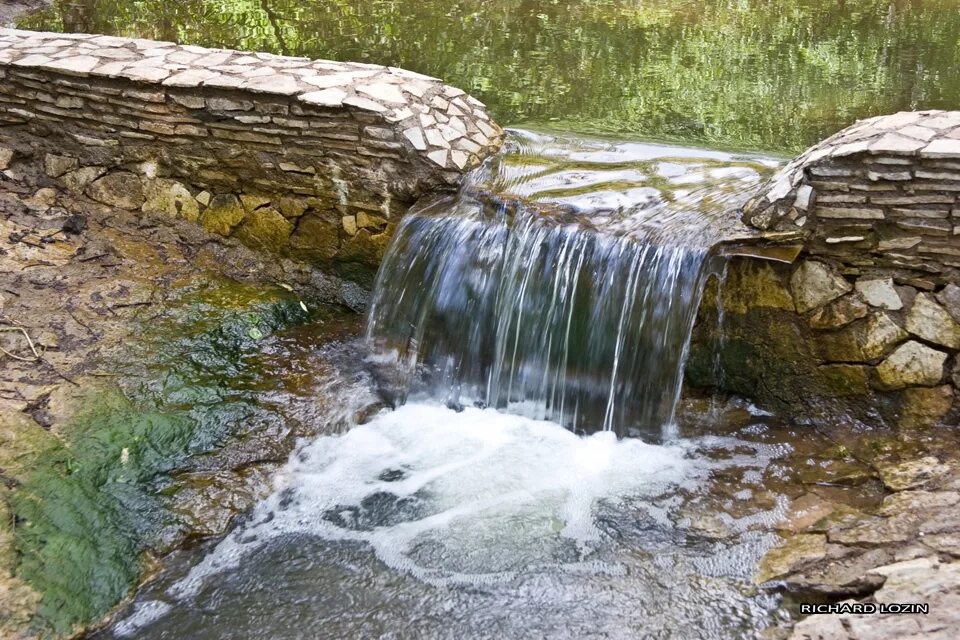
[(750, 73)]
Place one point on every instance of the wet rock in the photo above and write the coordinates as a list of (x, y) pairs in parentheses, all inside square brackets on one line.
[(930, 321), (842, 577), (208, 502), (797, 551), (863, 341), (22, 441), (265, 228), (814, 284), (804, 512), (172, 199), (223, 214), (877, 531), (121, 189), (6, 157), (839, 313), (880, 292), (925, 406), (911, 364), (911, 474), (55, 166)]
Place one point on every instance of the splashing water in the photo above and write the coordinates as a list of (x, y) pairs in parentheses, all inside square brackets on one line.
[(560, 284)]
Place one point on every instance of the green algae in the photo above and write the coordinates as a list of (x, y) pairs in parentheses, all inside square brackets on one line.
[(91, 504)]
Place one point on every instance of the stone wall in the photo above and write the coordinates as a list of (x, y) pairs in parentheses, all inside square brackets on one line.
[(873, 303), (311, 158)]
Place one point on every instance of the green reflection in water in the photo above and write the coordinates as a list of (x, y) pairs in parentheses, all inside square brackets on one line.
[(775, 75)]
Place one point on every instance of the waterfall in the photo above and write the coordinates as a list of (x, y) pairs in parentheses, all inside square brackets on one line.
[(576, 314)]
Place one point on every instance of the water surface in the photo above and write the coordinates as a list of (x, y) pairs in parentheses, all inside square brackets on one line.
[(774, 75)]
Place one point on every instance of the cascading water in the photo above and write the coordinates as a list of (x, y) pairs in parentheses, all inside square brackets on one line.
[(526, 293)]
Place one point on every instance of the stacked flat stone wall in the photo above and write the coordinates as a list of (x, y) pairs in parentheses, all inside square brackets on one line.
[(873, 302), (312, 158)]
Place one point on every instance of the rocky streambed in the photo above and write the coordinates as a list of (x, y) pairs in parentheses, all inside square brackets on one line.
[(153, 377)]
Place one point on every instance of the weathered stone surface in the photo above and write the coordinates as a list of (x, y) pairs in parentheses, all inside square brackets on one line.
[(171, 198), (839, 313), (223, 214), (797, 551), (814, 285), (316, 236), (55, 166), (909, 475), (6, 156), (120, 189), (950, 299), (864, 341), (911, 364), (77, 181), (928, 320), (925, 406), (879, 292), (265, 227)]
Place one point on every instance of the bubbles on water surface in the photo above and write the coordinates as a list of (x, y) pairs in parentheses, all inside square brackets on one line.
[(484, 500)]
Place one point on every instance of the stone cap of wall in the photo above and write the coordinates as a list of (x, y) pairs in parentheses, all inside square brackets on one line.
[(907, 135), (448, 128), (880, 196)]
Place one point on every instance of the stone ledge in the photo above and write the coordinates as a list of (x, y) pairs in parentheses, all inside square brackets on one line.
[(333, 153)]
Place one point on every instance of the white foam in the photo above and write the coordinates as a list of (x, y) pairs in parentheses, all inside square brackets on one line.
[(474, 477)]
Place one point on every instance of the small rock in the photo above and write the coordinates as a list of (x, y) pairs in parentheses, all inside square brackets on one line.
[(204, 198), (814, 285), (43, 199), (950, 299), (880, 292), (839, 313), (6, 157), (55, 166), (912, 364), (265, 228), (121, 189), (77, 181), (224, 213), (349, 225), (911, 474), (930, 321), (292, 207), (253, 202), (75, 224)]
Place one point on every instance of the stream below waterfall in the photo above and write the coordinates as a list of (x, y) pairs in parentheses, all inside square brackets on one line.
[(517, 330)]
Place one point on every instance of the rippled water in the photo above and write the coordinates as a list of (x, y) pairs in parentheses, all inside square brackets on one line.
[(777, 75), (431, 523)]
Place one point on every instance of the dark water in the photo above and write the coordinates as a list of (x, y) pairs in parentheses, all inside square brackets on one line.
[(776, 75)]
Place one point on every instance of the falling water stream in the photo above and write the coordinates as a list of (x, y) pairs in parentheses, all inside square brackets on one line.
[(519, 329), (559, 284)]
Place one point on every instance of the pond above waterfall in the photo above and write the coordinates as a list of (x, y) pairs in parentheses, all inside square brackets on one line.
[(754, 74)]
